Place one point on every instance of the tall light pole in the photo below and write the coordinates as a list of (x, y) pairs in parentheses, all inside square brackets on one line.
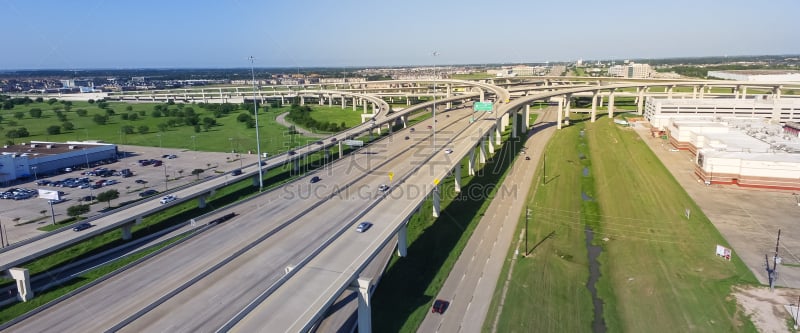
[(255, 113), (434, 101)]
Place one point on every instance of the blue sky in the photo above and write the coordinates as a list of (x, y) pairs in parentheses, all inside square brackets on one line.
[(301, 33)]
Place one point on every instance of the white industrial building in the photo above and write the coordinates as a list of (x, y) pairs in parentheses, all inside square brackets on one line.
[(779, 110), (758, 75), (747, 152), (39, 158), (631, 70)]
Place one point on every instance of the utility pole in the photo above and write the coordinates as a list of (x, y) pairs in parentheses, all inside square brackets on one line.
[(772, 273), (544, 168), (527, 217)]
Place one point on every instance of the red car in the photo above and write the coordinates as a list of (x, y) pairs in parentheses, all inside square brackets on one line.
[(439, 306)]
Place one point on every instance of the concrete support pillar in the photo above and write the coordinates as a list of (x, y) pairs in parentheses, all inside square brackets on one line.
[(363, 287), (321, 99), (408, 101), (567, 108), (490, 145), (344, 102), (669, 91), (283, 102), (437, 201), (735, 91), (776, 92), (482, 155), (330, 101), (471, 162), (514, 122), (126, 231), (354, 103), (611, 104), (364, 102), (694, 92), (560, 112), (594, 106), (449, 93), (482, 95), (23, 278), (600, 100), (640, 101), (526, 118), (744, 92), (498, 135), (302, 100), (702, 91), (296, 165), (457, 174), (201, 201), (404, 119), (402, 240), (341, 149), (504, 122)]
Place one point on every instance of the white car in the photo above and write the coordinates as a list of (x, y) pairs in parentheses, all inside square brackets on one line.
[(168, 199), (448, 151), (383, 188)]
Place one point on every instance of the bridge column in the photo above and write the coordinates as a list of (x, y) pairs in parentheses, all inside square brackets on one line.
[(600, 99), (449, 93), (482, 155), (594, 106), (457, 175), (482, 95), (490, 145), (302, 100), (23, 278), (640, 101), (436, 201), (514, 122), (404, 119), (560, 112), (735, 91), (354, 103), (611, 103), (344, 102), (471, 162), (341, 150), (669, 92), (320, 99), (694, 92), (504, 122), (296, 165), (408, 101), (526, 118), (568, 106), (776, 92), (402, 240), (283, 101), (363, 287), (498, 135), (364, 102), (702, 91), (744, 92), (126, 230), (201, 201)]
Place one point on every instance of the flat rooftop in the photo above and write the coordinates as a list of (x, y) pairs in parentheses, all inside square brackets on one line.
[(761, 71), (36, 149)]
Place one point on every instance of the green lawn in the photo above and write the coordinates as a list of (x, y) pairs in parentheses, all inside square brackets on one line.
[(658, 269), (228, 134)]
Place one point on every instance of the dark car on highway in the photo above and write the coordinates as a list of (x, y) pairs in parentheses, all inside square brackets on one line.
[(148, 193), (315, 179), (440, 306), (236, 172), (82, 226)]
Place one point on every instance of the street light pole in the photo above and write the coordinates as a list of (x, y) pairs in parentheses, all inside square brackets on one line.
[(434, 101), (255, 113), (166, 178), (527, 216)]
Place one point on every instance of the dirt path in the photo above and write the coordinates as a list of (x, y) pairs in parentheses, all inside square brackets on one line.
[(767, 309)]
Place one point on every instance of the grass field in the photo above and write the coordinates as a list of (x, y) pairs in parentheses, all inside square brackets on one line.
[(228, 135), (658, 269), (409, 285)]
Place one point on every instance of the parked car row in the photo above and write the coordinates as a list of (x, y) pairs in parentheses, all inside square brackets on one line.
[(18, 194)]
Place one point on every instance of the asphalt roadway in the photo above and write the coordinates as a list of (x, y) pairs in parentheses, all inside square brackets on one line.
[(471, 284), (201, 283)]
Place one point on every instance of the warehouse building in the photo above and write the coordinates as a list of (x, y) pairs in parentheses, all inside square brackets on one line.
[(748, 152), (757, 75), (39, 158), (658, 111)]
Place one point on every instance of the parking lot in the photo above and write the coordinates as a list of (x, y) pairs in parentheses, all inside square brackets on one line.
[(21, 218)]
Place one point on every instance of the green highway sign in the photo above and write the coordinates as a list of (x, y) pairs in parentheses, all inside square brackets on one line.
[(482, 106)]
